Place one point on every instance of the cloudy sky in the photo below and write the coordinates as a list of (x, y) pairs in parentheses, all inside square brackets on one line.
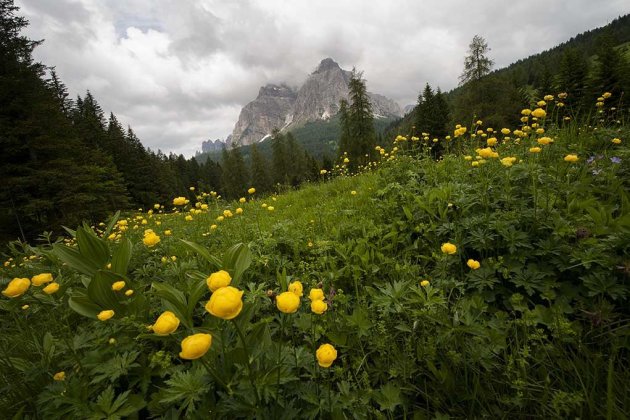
[(179, 71)]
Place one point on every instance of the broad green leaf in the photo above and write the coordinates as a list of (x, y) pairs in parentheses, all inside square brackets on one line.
[(92, 247), (122, 256), (111, 224), (100, 291), (74, 259), (203, 252), (82, 305), (237, 259), (176, 300)]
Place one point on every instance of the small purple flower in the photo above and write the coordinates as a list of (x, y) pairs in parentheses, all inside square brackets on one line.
[(615, 160), (590, 160)]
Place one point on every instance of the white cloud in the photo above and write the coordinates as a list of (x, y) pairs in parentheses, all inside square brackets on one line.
[(179, 72)]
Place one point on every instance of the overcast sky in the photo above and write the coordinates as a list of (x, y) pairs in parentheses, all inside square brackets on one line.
[(179, 71)]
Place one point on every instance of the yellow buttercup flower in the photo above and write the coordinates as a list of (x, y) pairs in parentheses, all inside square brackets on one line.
[(535, 150), (326, 355), (287, 302), (16, 287), (251, 190), (297, 288), (42, 278), (319, 306), (179, 201), (526, 111), (316, 294), (105, 315), (195, 346), (505, 131), (51, 288), (473, 264), (539, 113), (129, 292), (239, 211), (353, 192), (60, 376), (616, 141), (571, 158), (225, 303), (424, 283), (242, 200), (150, 238), (492, 141), (448, 248), (118, 286), (188, 218), (25, 307), (218, 279), (544, 140), (168, 232), (166, 324)]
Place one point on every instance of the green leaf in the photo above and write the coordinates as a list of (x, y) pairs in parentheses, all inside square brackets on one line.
[(237, 259), (111, 224), (203, 252), (74, 259), (196, 289), (82, 305), (388, 397), (122, 256), (100, 291), (92, 247), (176, 299)]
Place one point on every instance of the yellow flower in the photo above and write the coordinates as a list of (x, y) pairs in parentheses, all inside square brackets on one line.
[(188, 218), (326, 355), (118, 286), (239, 211), (526, 111), (51, 288), (606, 95), (548, 98), (448, 248), (168, 232), (544, 140), (616, 141), (42, 278), (296, 287), (353, 192), (492, 141), (225, 303), (539, 113), (129, 292), (424, 283), (287, 302), (270, 208), (535, 150), (323, 172), (316, 294), (105, 315), (25, 307), (16, 287), (541, 103), (319, 306), (213, 227), (166, 323), (473, 264), (571, 158), (60, 376), (475, 164), (179, 201), (192, 188), (508, 161), (150, 238), (251, 190), (195, 346), (220, 218), (227, 213), (242, 200), (505, 131), (346, 160), (218, 279)]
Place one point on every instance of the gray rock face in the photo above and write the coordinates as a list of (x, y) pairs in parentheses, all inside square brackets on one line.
[(280, 107), (212, 145)]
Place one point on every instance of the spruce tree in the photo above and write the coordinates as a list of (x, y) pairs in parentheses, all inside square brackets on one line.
[(477, 63), (261, 179), (360, 122)]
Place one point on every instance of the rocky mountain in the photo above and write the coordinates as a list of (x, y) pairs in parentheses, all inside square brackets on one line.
[(212, 145), (284, 108)]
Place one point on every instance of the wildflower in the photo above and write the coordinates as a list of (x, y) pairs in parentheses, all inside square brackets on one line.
[(508, 161), (541, 103), (468, 157), (42, 278), (195, 346), (353, 192), (562, 95), (105, 315), (242, 200), (60, 376), (448, 248), (251, 190), (526, 112), (424, 283), (544, 140), (129, 292), (25, 307), (168, 232), (220, 218), (316, 294), (475, 164), (150, 238), (119, 285), (473, 264), (323, 172), (270, 208), (297, 288), (540, 130), (346, 160), (16, 287), (548, 98), (218, 279), (599, 104), (156, 206), (492, 141), (287, 302), (326, 355), (166, 324), (606, 95), (179, 201), (505, 131), (188, 218), (616, 141), (615, 160), (51, 288), (213, 227), (112, 341), (319, 306), (535, 150), (239, 211), (539, 113), (572, 158), (225, 303)]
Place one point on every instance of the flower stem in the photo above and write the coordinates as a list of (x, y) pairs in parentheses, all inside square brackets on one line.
[(249, 365)]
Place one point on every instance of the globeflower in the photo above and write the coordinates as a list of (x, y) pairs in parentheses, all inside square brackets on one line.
[(508, 161), (60, 376), (316, 294), (297, 288), (616, 141), (166, 323), (544, 140), (473, 264), (251, 190), (319, 306), (16, 287), (326, 355), (287, 302), (505, 131), (225, 303), (535, 150), (179, 201), (150, 238), (195, 346), (572, 158), (118, 286), (448, 248), (51, 288), (492, 141), (105, 315), (526, 111), (539, 113), (242, 200), (425, 283), (218, 279), (42, 278)]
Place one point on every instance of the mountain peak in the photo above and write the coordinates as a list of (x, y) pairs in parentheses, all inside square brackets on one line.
[(327, 64)]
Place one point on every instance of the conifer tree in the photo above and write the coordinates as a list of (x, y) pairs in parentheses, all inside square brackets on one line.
[(360, 122), (477, 63), (260, 174)]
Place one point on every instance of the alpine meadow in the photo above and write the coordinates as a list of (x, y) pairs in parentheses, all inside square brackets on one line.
[(335, 255)]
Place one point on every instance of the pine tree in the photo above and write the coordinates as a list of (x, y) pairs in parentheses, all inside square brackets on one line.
[(572, 77), (260, 174), (360, 122), (476, 64)]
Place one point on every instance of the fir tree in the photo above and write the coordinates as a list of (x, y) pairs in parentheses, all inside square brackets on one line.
[(477, 63)]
